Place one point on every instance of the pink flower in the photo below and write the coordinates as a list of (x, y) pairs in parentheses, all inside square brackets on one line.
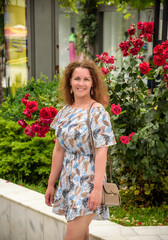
[(139, 223), (29, 132), (158, 60), (165, 68), (105, 71), (27, 114), (32, 106), (165, 53), (116, 109), (22, 123), (124, 139), (130, 136), (144, 67), (24, 101), (27, 95)]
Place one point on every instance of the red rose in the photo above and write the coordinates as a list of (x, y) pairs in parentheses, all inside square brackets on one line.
[(140, 25), (124, 46), (149, 37), (165, 76), (116, 109), (110, 59), (144, 67), (149, 27), (134, 51), (22, 123), (165, 53), (41, 135), (138, 43), (165, 68), (53, 141), (158, 49), (139, 223), (27, 114), (112, 67), (125, 53), (131, 30), (32, 106), (164, 44), (27, 95), (29, 132), (43, 129), (53, 112), (130, 136), (105, 71), (124, 139), (46, 121), (35, 127), (24, 101), (45, 113), (158, 60)]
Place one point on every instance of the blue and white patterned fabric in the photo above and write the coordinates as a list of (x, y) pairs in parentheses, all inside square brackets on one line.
[(77, 175)]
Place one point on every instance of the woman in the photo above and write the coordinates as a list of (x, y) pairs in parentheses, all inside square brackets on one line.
[(79, 191), (72, 40)]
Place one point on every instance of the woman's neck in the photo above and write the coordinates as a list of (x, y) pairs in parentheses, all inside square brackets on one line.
[(83, 103)]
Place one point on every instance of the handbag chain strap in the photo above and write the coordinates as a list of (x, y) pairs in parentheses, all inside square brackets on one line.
[(92, 142)]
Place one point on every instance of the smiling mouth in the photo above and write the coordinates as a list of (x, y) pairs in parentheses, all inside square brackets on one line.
[(80, 89)]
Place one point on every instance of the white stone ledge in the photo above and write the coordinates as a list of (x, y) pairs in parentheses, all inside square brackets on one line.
[(25, 216)]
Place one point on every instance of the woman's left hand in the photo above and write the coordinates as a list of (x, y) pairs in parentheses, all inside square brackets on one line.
[(95, 199)]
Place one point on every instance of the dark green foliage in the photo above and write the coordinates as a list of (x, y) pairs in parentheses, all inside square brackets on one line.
[(23, 158)]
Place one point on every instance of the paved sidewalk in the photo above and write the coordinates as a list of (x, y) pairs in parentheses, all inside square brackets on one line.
[(33, 202)]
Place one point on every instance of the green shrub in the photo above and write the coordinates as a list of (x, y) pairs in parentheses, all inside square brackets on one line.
[(140, 166), (43, 91), (23, 158)]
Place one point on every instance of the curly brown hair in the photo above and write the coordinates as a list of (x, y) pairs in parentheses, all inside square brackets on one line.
[(100, 93)]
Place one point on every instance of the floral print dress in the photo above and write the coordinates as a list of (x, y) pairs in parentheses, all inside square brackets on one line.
[(77, 175)]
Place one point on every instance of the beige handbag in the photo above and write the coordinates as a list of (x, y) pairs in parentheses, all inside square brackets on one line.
[(110, 192)]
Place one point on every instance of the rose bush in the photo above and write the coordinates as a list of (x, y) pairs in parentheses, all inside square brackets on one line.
[(141, 129), (41, 124)]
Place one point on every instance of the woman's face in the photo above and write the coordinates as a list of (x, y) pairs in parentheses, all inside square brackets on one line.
[(81, 82)]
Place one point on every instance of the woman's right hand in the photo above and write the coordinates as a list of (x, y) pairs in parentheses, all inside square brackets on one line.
[(49, 196)]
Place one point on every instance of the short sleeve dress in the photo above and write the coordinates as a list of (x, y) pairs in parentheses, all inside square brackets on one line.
[(77, 174)]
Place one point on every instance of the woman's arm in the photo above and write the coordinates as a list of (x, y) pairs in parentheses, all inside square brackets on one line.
[(100, 168), (57, 161)]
